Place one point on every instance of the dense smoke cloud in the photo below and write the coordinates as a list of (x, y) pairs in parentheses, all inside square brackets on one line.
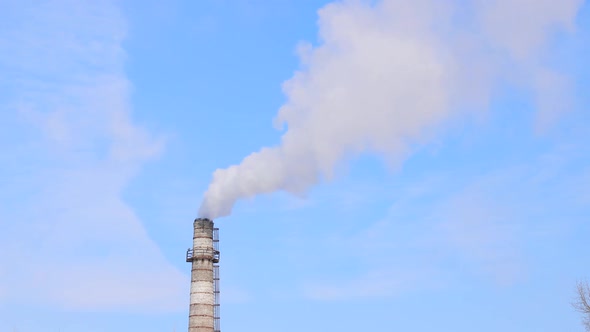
[(386, 74)]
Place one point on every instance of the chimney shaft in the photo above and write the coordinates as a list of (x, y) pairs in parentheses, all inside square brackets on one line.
[(203, 298)]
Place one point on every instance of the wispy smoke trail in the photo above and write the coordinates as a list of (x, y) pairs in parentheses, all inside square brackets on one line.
[(385, 75)]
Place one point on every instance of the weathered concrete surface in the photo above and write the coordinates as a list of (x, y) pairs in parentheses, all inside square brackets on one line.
[(202, 297)]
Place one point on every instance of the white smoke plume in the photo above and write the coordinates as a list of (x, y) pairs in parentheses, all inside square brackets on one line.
[(385, 75)]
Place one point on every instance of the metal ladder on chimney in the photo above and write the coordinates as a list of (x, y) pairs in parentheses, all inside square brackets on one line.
[(216, 320)]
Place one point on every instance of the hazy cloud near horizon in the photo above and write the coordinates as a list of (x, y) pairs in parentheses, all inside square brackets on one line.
[(498, 227)]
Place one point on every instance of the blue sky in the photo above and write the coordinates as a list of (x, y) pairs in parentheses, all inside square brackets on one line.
[(464, 207)]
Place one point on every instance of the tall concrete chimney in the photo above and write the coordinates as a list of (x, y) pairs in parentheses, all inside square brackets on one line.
[(204, 256)]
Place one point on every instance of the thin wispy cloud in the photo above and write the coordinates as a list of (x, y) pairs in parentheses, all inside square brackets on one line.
[(71, 147), (488, 228)]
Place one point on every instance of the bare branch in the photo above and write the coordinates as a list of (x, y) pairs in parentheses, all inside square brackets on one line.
[(582, 303)]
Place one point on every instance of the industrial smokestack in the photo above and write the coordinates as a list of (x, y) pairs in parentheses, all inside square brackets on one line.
[(204, 298)]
